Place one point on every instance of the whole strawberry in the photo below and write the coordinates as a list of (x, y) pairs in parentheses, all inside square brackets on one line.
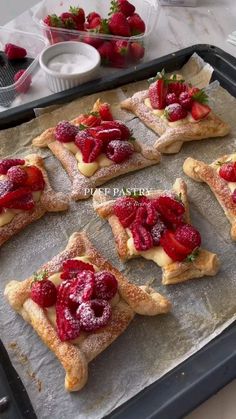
[(14, 52), (23, 86), (121, 47), (136, 51), (123, 6), (136, 24), (78, 15), (53, 21), (68, 20), (43, 291), (119, 25), (106, 51), (175, 112)]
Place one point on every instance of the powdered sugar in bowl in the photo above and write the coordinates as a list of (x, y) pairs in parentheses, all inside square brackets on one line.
[(68, 64)]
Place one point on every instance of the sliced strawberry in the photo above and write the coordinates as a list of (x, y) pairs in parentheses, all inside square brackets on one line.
[(35, 180), (105, 112), (91, 120), (71, 268), (199, 110), (89, 146), (105, 134), (170, 209), (125, 131), (125, 209), (157, 94), (25, 203), (13, 195), (173, 248)]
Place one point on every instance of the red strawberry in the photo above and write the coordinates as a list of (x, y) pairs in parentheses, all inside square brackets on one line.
[(24, 86), (199, 111), (13, 195), (171, 98), (71, 268), (93, 41), (125, 131), (136, 24), (193, 91), (89, 146), (68, 20), (43, 292), (17, 175), (35, 180), (118, 25), (65, 132), (91, 120), (121, 47), (78, 15), (228, 172), (106, 50), (119, 151), (53, 21), (185, 100), (105, 112), (68, 326), (95, 23), (5, 164), (106, 135), (142, 237), (170, 209), (174, 249), (157, 94), (188, 236), (125, 209), (25, 202), (119, 61), (175, 112), (14, 52), (123, 6), (91, 16), (177, 87), (136, 51)]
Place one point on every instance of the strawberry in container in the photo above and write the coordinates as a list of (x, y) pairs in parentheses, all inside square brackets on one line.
[(117, 35)]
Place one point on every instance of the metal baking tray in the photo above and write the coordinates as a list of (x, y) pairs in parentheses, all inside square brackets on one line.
[(204, 373)]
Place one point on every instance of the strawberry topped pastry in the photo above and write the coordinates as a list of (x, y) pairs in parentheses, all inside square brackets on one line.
[(221, 178), (157, 227), (94, 148), (176, 111), (121, 21), (25, 194), (78, 303)]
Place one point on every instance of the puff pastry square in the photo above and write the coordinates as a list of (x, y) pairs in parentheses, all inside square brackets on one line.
[(49, 201), (208, 173), (205, 263), (171, 138), (75, 355), (81, 185)]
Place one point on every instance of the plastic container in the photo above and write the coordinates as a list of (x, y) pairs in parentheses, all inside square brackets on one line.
[(33, 44), (147, 9), (59, 80)]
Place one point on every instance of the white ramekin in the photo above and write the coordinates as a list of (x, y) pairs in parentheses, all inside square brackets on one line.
[(58, 82)]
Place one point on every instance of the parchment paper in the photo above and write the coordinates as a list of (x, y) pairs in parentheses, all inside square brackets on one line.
[(151, 346)]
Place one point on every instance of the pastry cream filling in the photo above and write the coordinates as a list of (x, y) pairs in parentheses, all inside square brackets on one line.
[(51, 311), (156, 254), (160, 113), (88, 169)]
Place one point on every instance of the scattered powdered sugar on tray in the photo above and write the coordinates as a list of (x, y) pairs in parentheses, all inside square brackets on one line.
[(151, 346)]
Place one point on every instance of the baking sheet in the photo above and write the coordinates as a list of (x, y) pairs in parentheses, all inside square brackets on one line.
[(151, 346)]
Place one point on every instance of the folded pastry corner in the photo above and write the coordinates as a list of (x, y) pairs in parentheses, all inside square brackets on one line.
[(220, 176), (78, 304), (157, 227)]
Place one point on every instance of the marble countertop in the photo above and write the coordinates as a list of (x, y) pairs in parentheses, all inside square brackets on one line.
[(176, 28)]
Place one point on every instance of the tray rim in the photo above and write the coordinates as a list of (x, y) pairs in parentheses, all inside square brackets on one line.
[(222, 348)]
